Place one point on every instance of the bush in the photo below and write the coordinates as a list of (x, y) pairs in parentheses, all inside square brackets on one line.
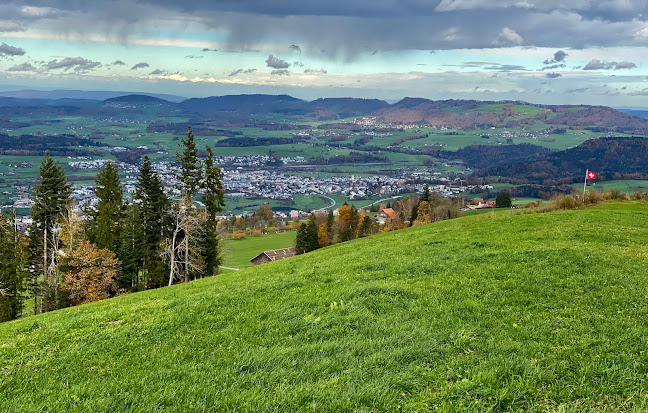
[(593, 197), (561, 202), (239, 234), (614, 194)]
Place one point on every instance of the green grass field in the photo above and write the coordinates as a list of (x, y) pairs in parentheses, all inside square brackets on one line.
[(238, 253), (626, 186), (491, 313)]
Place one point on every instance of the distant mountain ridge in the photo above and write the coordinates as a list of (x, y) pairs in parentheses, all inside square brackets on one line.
[(454, 114)]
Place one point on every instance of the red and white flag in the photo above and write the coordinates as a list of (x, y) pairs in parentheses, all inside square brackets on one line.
[(590, 175)]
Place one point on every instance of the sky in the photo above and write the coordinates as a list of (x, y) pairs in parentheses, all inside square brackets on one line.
[(539, 51)]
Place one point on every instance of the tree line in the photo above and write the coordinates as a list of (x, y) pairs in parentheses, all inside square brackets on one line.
[(111, 248), (324, 229)]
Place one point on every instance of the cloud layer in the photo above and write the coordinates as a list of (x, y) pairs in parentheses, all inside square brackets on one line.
[(413, 24)]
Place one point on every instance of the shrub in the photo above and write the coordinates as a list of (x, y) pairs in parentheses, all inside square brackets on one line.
[(614, 194), (561, 202), (593, 197)]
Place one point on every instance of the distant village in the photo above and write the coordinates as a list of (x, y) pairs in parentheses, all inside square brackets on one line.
[(242, 179)]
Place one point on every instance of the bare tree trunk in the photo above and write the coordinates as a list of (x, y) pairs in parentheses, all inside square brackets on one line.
[(172, 256), (40, 310), (186, 257)]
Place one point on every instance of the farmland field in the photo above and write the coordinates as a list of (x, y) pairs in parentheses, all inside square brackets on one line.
[(238, 253)]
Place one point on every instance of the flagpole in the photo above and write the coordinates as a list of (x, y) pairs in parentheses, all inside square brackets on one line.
[(585, 184)]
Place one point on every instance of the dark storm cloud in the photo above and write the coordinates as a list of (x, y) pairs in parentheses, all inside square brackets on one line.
[(78, 64), (241, 71), (7, 50), (140, 65), (276, 63), (294, 48), (553, 75), (23, 67), (556, 66), (596, 64), (413, 24), (559, 56), (280, 72)]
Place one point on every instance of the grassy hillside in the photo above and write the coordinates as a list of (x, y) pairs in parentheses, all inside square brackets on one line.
[(545, 312)]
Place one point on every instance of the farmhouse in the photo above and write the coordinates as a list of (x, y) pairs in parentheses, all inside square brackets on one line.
[(386, 214), (273, 255)]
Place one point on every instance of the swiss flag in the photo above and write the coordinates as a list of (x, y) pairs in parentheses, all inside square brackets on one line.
[(591, 175)]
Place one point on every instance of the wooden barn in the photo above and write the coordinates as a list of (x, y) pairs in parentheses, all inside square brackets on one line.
[(273, 255)]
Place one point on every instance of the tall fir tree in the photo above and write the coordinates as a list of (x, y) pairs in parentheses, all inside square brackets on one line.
[(109, 212), (214, 200), (190, 173), (129, 249), (214, 194), (311, 234), (414, 213), (51, 199), (426, 194), (13, 274), (153, 216)]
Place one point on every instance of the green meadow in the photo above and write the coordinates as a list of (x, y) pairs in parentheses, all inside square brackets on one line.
[(490, 313), (238, 253)]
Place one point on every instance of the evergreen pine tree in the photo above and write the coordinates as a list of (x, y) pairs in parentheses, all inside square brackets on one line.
[(51, 199), (214, 194), (301, 246), (365, 227), (330, 222), (190, 171), (129, 249), (312, 240), (414, 213), (426, 194), (153, 216), (13, 277), (214, 200), (108, 214)]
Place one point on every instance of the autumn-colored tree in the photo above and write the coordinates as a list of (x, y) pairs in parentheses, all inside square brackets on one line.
[(92, 273), (344, 213), (423, 213), (322, 236)]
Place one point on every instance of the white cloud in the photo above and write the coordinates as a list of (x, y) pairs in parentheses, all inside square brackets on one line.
[(641, 35), (509, 37)]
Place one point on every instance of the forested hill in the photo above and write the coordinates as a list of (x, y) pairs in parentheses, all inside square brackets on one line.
[(284, 109), (608, 157)]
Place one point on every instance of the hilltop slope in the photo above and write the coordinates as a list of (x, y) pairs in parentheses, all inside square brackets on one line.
[(539, 312)]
